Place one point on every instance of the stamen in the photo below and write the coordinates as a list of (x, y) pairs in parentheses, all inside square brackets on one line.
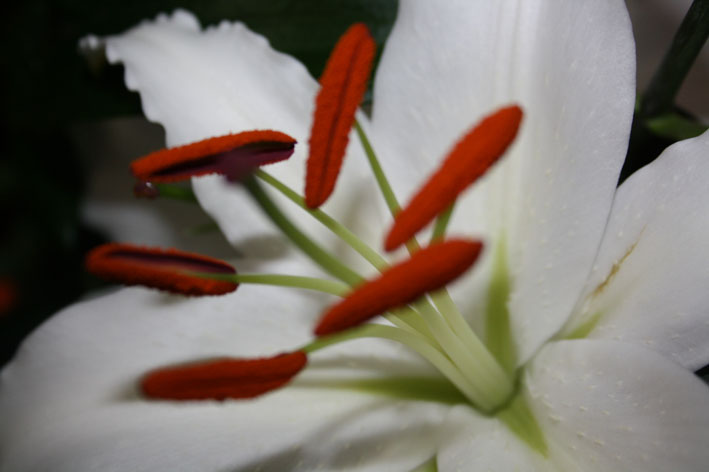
[(474, 154), (343, 82), (164, 269), (428, 269), (233, 155), (223, 378), (332, 287), (331, 264)]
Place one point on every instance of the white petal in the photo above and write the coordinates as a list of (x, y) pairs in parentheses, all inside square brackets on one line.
[(605, 405), (189, 84), (570, 65), (110, 205), (68, 401), (657, 296), (602, 406), (224, 79)]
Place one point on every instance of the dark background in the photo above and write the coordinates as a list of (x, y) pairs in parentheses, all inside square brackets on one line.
[(53, 104)]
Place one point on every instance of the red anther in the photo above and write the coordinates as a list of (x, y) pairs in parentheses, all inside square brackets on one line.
[(427, 270), (343, 83), (471, 157), (234, 155), (164, 269), (223, 378)]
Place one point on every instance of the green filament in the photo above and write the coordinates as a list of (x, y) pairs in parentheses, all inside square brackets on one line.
[(379, 175), (330, 223), (320, 256), (481, 374), (449, 329), (332, 287), (439, 228), (413, 341)]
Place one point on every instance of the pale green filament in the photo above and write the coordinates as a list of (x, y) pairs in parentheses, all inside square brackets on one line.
[(350, 238), (477, 364), (330, 223), (410, 387), (414, 342), (332, 287), (415, 322), (439, 228), (319, 255), (448, 327), (378, 172)]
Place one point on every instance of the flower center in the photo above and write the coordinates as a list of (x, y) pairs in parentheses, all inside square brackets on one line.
[(410, 295)]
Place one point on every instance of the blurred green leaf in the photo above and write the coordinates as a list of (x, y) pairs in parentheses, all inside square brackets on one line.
[(675, 127)]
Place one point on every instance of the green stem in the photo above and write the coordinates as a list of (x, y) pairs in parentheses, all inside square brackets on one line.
[(330, 223), (688, 41), (309, 283), (319, 255)]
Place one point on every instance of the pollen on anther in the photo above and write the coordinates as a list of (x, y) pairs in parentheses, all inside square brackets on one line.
[(164, 269), (343, 84), (427, 270), (470, 159), (233, 155), (223, 378)]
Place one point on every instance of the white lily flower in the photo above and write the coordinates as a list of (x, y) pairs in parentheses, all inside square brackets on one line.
[(604, 289)]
